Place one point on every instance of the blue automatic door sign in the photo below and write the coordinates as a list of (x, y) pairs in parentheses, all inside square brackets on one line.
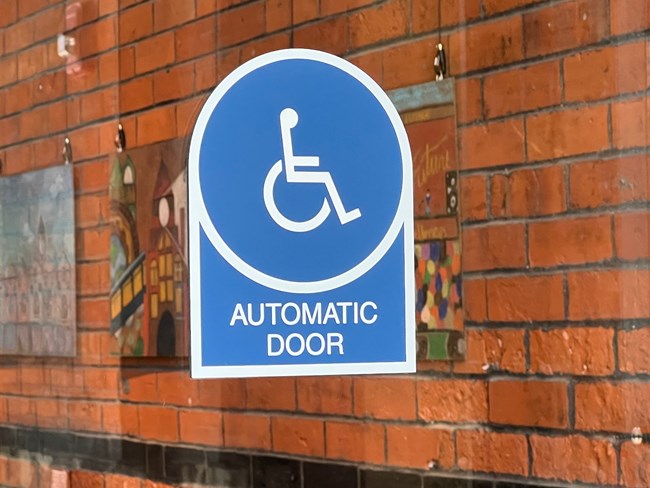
[(300, 224)]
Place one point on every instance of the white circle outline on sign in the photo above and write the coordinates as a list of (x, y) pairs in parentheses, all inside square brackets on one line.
[(196, 195)]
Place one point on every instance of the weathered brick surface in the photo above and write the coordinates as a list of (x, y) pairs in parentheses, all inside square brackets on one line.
[(553, 131)]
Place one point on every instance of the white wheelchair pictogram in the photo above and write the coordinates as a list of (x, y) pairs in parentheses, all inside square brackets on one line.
[(288, 120)]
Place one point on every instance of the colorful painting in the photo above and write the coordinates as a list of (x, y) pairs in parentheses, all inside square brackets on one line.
[(429, 115), (439, 287), (37, 263), (148, 260)]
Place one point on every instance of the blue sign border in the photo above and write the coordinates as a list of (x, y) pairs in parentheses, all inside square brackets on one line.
[(199, 220)]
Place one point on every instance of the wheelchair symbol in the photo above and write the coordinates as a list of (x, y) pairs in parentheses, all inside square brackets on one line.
[(288, 120)]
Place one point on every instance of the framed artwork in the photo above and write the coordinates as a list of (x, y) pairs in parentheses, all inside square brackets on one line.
[(429, 114), (148, 253), (37, 263)]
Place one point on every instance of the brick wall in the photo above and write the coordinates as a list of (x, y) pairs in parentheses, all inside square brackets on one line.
[(553, 135)]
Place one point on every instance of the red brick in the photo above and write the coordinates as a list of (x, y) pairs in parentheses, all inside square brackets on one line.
[(186, 114), (154, 52), (127, 62), (241, 24), (525, 298), (97, 37), (8, 70), (584, 240), (500, 246), (635, 465), (609, 182), (475, 299), (304, 11), (377, 24), (121, 481), (609, 294), (565, 26), (278, 14), (85, 80), (170, 13), (19, 35), (424, 13), (108, 65), (32, 61), (574, 458), (136, 23), (224, 393), (99, 105), (452, 400), (158, 423), (532, 403), (85, 415), (156, 125), (271, 393), (492, 144), (93, 278), (9, 9), (632, 233), (99, 382), (197, 38), (469, 101), (385, 398), (52, 413), (493, 350), (136, 94), (548, 137), (48, 23), (355, 442), (138, 387), (629, 16), (521, 90), (86, 479), (605, 72), (28, 7), (491, 452), (408, 64), (497, 6), (300, 436), (630, 126), (612, 406), (328, 35), (121, 418), (577, 351), (634, 351), (528, 192), (473, 197), (371, 63), (247, 431), (9, 129), (177, 388), (485, 45), (49, 87), (201, 427), (419, 447), (18, 159), (330, 7), (85, 145), (325, 395), (173, 83), (267, 44)]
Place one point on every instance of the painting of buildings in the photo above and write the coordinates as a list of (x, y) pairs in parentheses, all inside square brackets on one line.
[(37, 263), (148, 256)]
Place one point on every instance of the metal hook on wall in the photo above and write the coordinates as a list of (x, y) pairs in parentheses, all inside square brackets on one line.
[(440, 62), (67, 151), (120, 139)]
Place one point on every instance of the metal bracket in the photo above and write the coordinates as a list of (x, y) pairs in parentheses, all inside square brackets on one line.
[(120, 139), (63, 42), (67, 151), (451, 191)]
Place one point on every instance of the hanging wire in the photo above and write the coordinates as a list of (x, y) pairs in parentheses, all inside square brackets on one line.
[(291, 31)]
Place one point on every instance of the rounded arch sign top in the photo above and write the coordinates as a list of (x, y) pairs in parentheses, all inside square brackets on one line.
[(300, 223)]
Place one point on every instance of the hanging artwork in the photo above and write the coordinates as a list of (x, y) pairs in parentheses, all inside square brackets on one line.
[(37, 263), (148, 254), (429, 114)]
